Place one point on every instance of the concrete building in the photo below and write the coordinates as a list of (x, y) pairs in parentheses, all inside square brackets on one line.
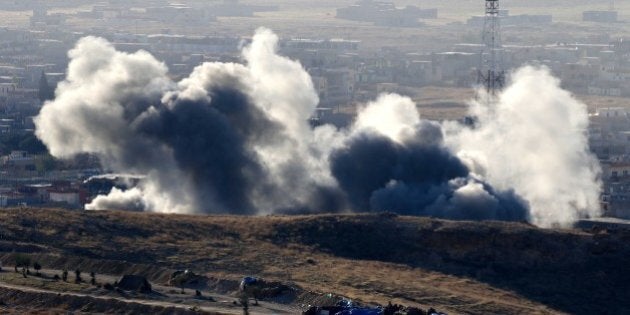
[(336, 44), (336, 87), (616, 170), (456, 67), (616, 192), (514, 20), (578, 76), (69, 197), (603, 89), (42, 21), (234, 8), (600, 16), (181, 44), (7, 89), (386, 14), (609, 134), (39, 192), (180, 13)]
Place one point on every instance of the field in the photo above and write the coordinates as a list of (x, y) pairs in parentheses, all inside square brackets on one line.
[(456, 267)]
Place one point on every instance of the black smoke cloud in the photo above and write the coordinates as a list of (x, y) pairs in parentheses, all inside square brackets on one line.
[(235, 138), (417, 177), (220, 141), (209, 142)]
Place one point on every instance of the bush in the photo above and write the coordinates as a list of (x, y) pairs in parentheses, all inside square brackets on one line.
[(22, 261), (37, 268), (77, 276)]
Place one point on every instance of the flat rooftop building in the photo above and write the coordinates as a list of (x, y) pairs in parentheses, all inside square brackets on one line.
[(600, 16)]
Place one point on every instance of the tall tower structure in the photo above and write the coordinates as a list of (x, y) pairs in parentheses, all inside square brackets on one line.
[(491, 73)]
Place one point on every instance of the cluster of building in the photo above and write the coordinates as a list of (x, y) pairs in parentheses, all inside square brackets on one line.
[(609, 139), (342, 74), (56, 194), (386, 13), (28, 59), (125, 12), (514, 20), (598, 16), (23, 182), (609, 16)]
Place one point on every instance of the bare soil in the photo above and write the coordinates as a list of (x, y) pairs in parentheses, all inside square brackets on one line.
[(457, 267)]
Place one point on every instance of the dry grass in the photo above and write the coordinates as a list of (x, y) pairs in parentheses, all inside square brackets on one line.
[(461, 267), (44, 282)]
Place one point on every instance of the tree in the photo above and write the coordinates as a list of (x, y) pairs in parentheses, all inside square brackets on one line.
[(180, 281), (37, 268), (45, 93), (21, 142), (45, 163), (77, 276), (31, 144), (22, 261)]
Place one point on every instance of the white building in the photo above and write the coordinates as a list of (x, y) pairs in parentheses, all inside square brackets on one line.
[(69, 197)]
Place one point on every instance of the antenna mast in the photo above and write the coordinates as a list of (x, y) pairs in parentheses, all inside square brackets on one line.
[(491, 74)]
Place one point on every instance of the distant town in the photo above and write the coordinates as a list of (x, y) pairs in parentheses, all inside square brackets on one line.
[(345, 72)]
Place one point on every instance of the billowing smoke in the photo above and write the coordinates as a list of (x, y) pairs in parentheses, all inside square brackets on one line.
[(534, 140), (235, 138), (229, 138), (392, 160)]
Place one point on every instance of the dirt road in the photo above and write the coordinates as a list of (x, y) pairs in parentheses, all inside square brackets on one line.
[(164, 298)]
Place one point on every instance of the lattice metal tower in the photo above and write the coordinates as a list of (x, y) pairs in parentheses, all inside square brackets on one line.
[(491, 73)]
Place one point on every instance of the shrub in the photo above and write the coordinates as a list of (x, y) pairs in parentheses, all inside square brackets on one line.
[(37, 268), (22, 261)]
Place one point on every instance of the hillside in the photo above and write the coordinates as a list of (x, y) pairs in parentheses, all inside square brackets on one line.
[(457, 267)]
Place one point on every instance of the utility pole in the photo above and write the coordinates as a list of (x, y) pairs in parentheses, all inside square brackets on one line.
[(491, 73)]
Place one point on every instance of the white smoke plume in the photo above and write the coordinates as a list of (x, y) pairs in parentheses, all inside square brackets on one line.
[(534, 140), (235, 138), (132, 200)]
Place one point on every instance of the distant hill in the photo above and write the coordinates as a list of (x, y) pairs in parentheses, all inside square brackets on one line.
[(459, 267)]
